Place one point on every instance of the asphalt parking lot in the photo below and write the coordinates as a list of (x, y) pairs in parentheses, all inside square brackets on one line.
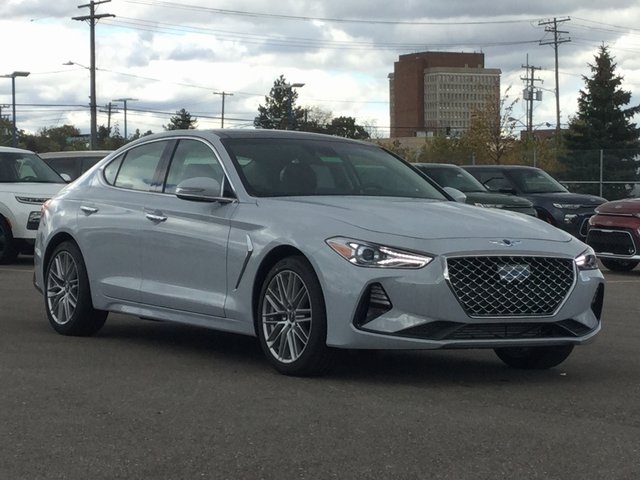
[(147, 400)]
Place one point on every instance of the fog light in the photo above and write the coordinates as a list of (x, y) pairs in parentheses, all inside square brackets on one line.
[(570, 218), (34, 220)]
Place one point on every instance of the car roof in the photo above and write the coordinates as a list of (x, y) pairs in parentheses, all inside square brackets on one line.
[(438, 165), (252, 133), (14, 150), (501, 167), (76, 153)]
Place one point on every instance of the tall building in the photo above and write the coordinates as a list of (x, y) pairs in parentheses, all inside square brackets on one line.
[(435, 93)]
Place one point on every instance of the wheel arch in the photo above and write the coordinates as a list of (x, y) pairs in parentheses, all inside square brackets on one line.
[(51, 246), (273, 257)]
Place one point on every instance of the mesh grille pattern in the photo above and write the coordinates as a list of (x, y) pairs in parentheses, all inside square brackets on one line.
[(611, 241), (508, 286)]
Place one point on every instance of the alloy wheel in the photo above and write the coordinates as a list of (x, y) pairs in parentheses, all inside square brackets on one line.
[(286, 316), (62, 287)]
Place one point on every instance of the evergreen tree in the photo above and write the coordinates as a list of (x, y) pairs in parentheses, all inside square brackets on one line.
[(280, 111), (181, 120), (603, 123)]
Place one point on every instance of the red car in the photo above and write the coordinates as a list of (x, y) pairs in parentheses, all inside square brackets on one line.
[(614, 234)]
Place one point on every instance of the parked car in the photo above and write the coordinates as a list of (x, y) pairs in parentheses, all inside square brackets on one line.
[(614, 234), (25, 183), (293, 238), (448, 175), (74, 163), (553, 202)]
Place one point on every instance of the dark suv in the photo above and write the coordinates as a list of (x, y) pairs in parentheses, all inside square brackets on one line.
[(449, 175), (554, 203)]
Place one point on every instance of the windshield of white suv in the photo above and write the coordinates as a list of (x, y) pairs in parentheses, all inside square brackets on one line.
[(286, 167), (536, 181), (23, 167)]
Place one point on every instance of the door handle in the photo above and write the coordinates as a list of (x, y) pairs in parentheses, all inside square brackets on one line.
[(88, 210), (155, 218)]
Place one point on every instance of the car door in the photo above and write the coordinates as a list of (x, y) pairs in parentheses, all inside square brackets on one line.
[(112, 220), (184, 261)]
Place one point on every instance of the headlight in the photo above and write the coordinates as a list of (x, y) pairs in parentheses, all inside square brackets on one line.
[(567, 206), (31, 200), (365, 254), (587, 260)]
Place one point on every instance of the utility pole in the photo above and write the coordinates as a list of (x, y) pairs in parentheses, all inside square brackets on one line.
[(125, 100), (223, 94), (92, 19), (530, 93), (110, 108), (552, 26)]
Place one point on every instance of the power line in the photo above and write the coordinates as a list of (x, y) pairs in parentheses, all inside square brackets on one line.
[(220, 11), (298, 42)]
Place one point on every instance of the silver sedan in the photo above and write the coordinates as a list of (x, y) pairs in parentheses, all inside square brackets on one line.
[(311, 243)]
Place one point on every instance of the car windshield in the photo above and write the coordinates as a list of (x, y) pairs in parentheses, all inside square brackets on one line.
[(288, 167), (24, 167), (453, 177), (536, 181)]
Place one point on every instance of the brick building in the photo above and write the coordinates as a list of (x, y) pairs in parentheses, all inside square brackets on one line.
[(435, 93)]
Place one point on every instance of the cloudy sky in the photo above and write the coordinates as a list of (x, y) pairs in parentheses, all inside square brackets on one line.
[(170, 55)]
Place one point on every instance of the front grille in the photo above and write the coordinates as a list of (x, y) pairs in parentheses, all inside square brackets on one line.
[(507, 286), (440, 331), (617, 242)]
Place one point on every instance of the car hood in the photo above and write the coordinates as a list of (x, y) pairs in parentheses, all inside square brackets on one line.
[(421, 219), (32, 189), (571, 198), (497, 199), (627, 206)]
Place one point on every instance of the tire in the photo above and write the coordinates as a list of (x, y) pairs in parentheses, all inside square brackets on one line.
[(292, 320), (67, 296), (619, 265), (8, 251), (534, 358)]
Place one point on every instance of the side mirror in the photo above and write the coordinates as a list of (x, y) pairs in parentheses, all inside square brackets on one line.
[(456, 194), (201, 189)]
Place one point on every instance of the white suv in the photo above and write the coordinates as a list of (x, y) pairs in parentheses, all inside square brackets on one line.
[(26, 182)]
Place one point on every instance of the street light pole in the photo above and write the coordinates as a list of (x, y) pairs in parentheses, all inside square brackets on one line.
[(13, 76), (124, 101)]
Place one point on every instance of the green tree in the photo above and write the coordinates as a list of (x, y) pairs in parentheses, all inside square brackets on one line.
[(181, 120), (5, 131), (603, 123), (280, 111), (55, 139), (441, 149), (347, 127)]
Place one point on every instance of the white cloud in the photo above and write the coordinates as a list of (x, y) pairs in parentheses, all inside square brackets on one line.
[(173, 55)]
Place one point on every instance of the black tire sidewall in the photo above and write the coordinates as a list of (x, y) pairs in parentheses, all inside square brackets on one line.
[(619, 265), (534, 358), (9, 253)]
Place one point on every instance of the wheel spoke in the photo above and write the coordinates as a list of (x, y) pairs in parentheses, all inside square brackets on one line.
[(62, 287), (286, 316)]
